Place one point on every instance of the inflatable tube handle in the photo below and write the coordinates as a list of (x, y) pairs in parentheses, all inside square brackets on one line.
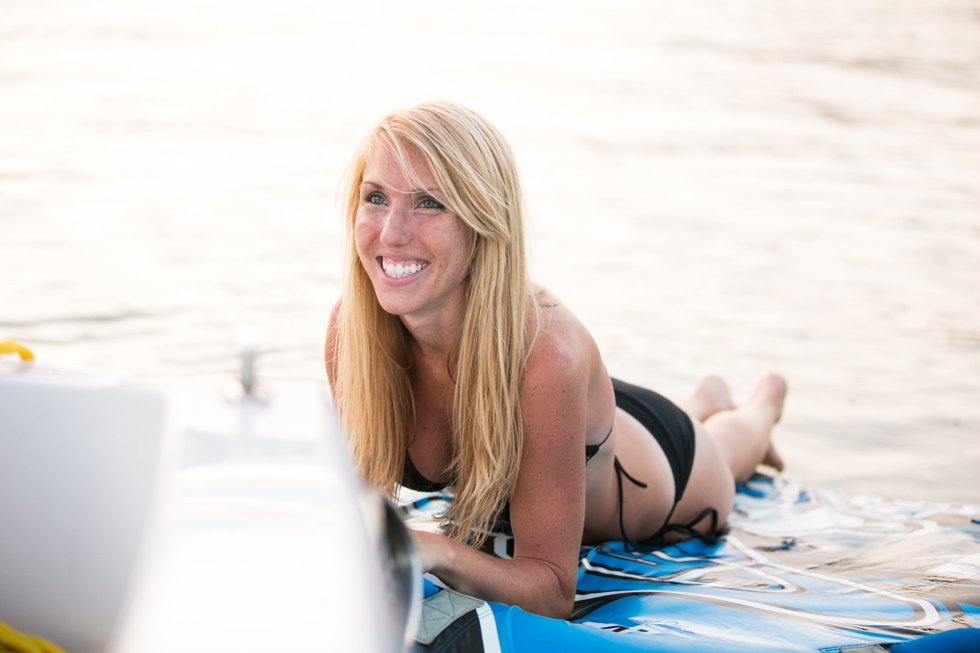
[(14, 347)]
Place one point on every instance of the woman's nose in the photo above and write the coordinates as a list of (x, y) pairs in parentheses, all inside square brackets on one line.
[(395, 231)]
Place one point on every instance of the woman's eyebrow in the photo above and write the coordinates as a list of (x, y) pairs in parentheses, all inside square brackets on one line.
[(417, 191), (426, 191)]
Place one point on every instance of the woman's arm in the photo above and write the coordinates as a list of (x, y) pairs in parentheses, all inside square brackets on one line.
[(547, 508)]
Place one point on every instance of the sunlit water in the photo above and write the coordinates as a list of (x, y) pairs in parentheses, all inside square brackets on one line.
[(716, 186)]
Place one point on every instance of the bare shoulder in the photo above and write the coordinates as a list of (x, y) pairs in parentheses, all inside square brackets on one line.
[(562, 345), (563, 367), (565, 372)]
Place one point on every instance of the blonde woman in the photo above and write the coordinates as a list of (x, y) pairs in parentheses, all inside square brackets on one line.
[(449, 368)]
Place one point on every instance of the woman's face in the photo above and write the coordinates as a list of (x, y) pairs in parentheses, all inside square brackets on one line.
[(414, 249)]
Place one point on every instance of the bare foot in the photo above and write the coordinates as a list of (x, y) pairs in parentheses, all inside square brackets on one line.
[(773, 459), (770, 393), (711, 395)]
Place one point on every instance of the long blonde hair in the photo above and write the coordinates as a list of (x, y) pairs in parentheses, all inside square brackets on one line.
[(475, 168)]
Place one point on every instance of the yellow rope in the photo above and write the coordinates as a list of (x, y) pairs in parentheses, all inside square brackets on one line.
[(12, 641), (14, 347)]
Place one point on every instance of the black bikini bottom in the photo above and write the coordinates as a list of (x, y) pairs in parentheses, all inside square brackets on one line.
[(674, 432)]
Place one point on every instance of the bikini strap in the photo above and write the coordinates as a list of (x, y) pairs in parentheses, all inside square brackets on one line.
[(592, 449), (657, 540), (620, 473), (711, 537)]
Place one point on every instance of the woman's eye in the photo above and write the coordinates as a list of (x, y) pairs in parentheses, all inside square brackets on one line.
[(429, 203), (374, 198)]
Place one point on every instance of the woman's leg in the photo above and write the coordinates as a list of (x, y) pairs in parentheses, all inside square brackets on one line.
[(711, 395), (731, 442), (742, 433)]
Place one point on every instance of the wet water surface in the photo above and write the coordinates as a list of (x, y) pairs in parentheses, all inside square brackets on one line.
[(715, 187)]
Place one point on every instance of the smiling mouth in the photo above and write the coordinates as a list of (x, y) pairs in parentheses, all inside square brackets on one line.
[(400, 270)]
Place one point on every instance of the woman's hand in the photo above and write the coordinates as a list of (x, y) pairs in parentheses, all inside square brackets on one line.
[(528, 583)]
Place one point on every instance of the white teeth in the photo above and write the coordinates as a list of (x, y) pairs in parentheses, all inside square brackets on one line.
[(399, 271)]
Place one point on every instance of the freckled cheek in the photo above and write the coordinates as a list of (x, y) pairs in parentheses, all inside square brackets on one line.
[(365, 236)]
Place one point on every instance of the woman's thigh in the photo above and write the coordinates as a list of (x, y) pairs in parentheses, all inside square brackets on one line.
[(711, 484), (644, 509)]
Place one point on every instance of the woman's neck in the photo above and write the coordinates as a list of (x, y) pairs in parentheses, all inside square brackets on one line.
[(434, 336)]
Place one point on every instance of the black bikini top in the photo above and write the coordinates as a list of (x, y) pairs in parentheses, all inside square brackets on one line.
[(592, 449), (413, 479)]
